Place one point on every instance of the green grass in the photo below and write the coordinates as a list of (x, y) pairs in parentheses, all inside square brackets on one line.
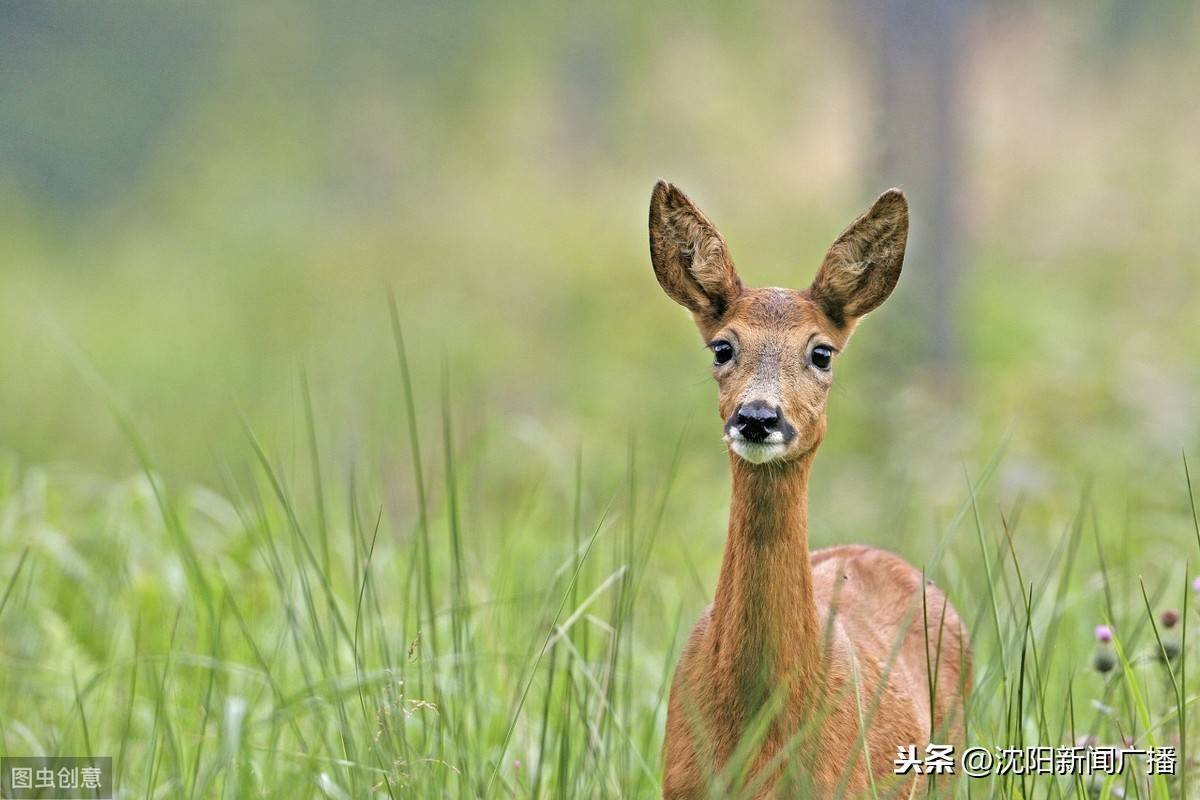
[(309, 630)]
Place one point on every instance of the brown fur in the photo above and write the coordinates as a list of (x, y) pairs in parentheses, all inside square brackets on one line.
[(810, 643)]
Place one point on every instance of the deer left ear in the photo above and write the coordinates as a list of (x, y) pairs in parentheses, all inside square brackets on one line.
[(863, 264), (691, 260)]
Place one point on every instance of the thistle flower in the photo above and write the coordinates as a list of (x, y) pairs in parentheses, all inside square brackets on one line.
[(1196, 585), (1169, 618), (1170, 649), (1104, 659)]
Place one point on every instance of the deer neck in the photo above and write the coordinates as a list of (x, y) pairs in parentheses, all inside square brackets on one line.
[(766, 634)]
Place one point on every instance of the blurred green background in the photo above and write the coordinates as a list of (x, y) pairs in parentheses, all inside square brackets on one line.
[(201, 200), (204, 203)]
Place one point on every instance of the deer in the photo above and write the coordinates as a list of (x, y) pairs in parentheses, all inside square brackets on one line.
[(810, 671)]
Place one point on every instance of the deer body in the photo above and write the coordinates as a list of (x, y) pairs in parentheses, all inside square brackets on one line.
[(808, 670)]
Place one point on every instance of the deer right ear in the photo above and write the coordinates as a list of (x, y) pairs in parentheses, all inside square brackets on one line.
[(863, 264), (691, 260)]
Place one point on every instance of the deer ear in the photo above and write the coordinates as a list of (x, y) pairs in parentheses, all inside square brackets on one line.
[(863, 264), (691, 260)]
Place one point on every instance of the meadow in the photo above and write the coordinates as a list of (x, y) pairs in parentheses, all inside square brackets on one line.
[(348, 447)]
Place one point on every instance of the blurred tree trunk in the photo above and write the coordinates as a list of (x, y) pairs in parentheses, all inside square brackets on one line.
[(918, 49)]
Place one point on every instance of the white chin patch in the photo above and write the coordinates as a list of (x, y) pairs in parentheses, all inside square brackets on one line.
[(758, 452)]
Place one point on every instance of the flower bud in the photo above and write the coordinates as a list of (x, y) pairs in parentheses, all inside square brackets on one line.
[(1170, 648)]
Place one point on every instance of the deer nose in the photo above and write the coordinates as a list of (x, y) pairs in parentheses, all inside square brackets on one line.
[(756, 421)]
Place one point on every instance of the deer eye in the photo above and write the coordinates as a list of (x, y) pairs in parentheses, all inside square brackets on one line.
[(822, 356), (722, 352)]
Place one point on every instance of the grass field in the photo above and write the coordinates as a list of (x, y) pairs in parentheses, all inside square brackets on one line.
[(296, 631)]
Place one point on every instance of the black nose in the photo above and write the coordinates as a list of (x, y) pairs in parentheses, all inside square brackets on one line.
[(756, 421)]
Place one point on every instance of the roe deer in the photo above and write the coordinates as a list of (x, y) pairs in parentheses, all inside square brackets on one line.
[(799, 652)]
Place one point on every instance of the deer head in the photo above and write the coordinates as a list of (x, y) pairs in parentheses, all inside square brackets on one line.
[(774, 349)]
